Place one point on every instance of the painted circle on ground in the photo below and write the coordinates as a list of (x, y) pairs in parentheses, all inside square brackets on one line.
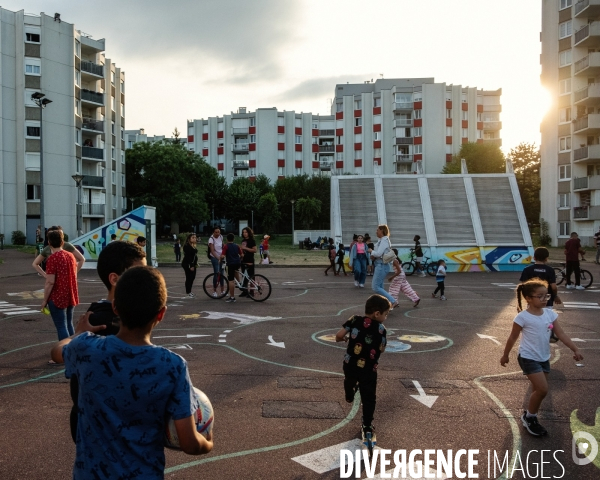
[(417, 341)]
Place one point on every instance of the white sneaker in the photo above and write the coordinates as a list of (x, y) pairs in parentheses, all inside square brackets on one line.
[(442, 298), (214, 294), (355, 283), (579, 287), (361, 286), (191, 295), (570, 287)]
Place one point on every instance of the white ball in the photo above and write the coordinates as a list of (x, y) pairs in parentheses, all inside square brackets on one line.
[(204, 418)]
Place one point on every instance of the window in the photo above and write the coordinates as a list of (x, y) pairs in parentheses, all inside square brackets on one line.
[(339, 156), (77, 78), (490, 117), (358, 122), (78, 136), (357, 104), (122, 179), (403, 97), (78, 166), (32, 37), (339, 139), (33, 131), (113, 176), (417, 148), (315, 125), (564, 229), (123, 158), (77, 107), (113, 104), (564, 172), (564, 58), (112, 153), (298, 138), (112, 127), (417, 113), (339, 107), (122, 134), (114, 201), (465, 132), (33, 192), (564, 115), (377, 152), (78, 48), (33, 69), (564, 200), (376, 119), (448, 113), (448, 131), (376, 135), (252, 121), (564, 86), (417, 132), (565, 29), (122, 87), (112, 77), (564, 144), (377, 102), (565, 4), (252, 138), (358, 138), (464, 115)]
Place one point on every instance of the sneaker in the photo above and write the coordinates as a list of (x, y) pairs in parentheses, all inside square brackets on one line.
[(230, 300), (433, 295), (579, 287), (214, 294), (361, 286), (368, 436), (416, 304), (570, 286), (532, 426), (442, 298), (191, 295), (355, 283)]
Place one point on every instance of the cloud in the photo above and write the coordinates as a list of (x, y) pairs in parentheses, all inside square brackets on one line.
[(318, 87)]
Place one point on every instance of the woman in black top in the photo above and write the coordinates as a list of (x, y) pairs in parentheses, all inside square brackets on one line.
[(190, 263), (248, 247)]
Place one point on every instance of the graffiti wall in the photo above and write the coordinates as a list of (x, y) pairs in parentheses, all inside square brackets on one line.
[(127, 228)]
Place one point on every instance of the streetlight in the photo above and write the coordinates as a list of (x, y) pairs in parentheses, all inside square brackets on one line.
[(40, 101), (292, 202), (79, 180)]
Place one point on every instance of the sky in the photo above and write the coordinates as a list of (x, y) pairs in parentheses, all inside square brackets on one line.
[(192, 59)]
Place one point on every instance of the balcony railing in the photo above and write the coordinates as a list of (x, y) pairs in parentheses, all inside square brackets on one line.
[(240, 147), (326, 165), (582, 33), (579, 6), (326, 148), (404, 140), (581, 123), (240, 130), (492, 125), (580, 183), (580, 153), (403, 122), (92, 181), (403, 105), (404, 158), (581, 64), (93, 209), (326, 133), (94, 97), (92, 68), (241, 164), (94, 125), (581, 212), (92, 152)]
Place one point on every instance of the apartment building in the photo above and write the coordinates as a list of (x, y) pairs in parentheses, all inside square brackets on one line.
[(82, 127), (570, 150), (390, 126), (140, 135)]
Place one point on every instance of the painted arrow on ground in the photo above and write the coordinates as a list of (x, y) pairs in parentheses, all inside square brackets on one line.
[(489, 337), (427, 400), (588, 340), (273, 343), (189, 335)]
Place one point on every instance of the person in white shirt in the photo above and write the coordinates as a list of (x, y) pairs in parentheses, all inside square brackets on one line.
[(440, 278), (215, 246)]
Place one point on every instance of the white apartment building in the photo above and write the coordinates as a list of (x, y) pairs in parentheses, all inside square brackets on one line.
[(83, 127), (140, 135), (390, 126), (570, 150)]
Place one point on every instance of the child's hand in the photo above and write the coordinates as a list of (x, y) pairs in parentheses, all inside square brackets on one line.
[(84, 325), (504, 360), (577, 356)]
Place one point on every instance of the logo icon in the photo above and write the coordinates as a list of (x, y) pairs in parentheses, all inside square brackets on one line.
[(584, 444)]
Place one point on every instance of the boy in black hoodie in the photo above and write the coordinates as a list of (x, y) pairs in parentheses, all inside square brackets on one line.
[(113, 260)]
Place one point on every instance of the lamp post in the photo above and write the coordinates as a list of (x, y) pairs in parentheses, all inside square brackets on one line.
[(79, 180), (293, 202), (40, 101)]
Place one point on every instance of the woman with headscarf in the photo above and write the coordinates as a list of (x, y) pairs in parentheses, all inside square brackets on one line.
[(382, 246)]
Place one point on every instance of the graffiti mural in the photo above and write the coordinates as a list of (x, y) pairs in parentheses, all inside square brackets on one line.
[(127, 228)]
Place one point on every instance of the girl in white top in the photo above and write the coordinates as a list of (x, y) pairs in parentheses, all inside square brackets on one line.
[(536, 324)]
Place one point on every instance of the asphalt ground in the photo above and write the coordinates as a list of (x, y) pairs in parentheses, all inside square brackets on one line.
[(273, 404)]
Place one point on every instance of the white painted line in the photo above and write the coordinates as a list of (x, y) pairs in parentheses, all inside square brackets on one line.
[(427, 400), (21, 313), (3, 302), (585, 307), (489, 337), (273, 343), (223, 335), (189, 335), (227, 331), (327, 459), (222, 341), (9, 310), (581, 303)]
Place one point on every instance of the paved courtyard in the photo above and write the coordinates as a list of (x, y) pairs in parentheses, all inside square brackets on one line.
[(274, 377)]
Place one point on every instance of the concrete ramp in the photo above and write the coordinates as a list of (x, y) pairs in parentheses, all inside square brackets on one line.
[(475, 222)]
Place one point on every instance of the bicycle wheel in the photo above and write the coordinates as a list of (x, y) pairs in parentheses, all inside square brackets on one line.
[(259, 288), (586, 278), (560, 275), (207, 285), (432, 269), (409, 268)]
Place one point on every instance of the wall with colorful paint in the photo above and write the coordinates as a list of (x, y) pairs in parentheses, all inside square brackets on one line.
[(127, 228)]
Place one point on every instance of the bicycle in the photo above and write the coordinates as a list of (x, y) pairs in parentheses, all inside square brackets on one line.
[(561, 274), (258, 287), (426, 266)]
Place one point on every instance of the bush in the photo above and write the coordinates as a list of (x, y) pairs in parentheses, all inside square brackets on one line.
[(545, 238), (18, 238)]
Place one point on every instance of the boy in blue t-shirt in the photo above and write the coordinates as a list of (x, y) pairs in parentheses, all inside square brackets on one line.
[(232, 254), (129, 387), (366, 338)]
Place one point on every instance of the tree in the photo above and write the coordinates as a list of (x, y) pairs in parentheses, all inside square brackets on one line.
[(176, 134), (242, 198), (526, 161), (268, 211), (308, 209), (480, 157), (172, 179)]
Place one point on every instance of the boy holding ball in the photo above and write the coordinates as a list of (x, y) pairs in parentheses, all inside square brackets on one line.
[(123, 406)]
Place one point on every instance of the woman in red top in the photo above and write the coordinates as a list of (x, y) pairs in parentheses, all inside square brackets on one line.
[(60, 290)]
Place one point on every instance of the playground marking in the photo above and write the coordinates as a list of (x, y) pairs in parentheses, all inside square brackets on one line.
[(581, 305), (240, 317), (427, 400), (12, 309), (328, 458)]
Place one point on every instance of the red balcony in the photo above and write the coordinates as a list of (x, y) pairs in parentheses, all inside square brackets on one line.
[(205, 136), (220, 134), (377, 127), (418, 140), (190, 139), (281, 162), (417, 157), (357, 113), (339, 115), (448, 122), (281, 146), (315, 148), (205, 152), (464, 107), (418, 105), (252, 147), (339, 148), (315, 132), (448, 140), (339, 132), (377, 144), (479, 108), (252, 179), (358, 146), (339, 164), (464, 140), (298, 131), (252, 130), (358, 162), (418, 122), (376, 110), (315, 164), (464, 123), (280, 129), (448, 157), (377, 161), (298, 163), (479, 125), (252, 163), (220, 166), (298, 147), (357, 130), (220, 150), (448, 104)]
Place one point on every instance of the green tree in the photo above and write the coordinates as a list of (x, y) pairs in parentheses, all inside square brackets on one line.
[(480, 158), (308, 209), (263, 184), (268, 212), (241, 200), (288, 189), (526, 161), (172, 179)]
